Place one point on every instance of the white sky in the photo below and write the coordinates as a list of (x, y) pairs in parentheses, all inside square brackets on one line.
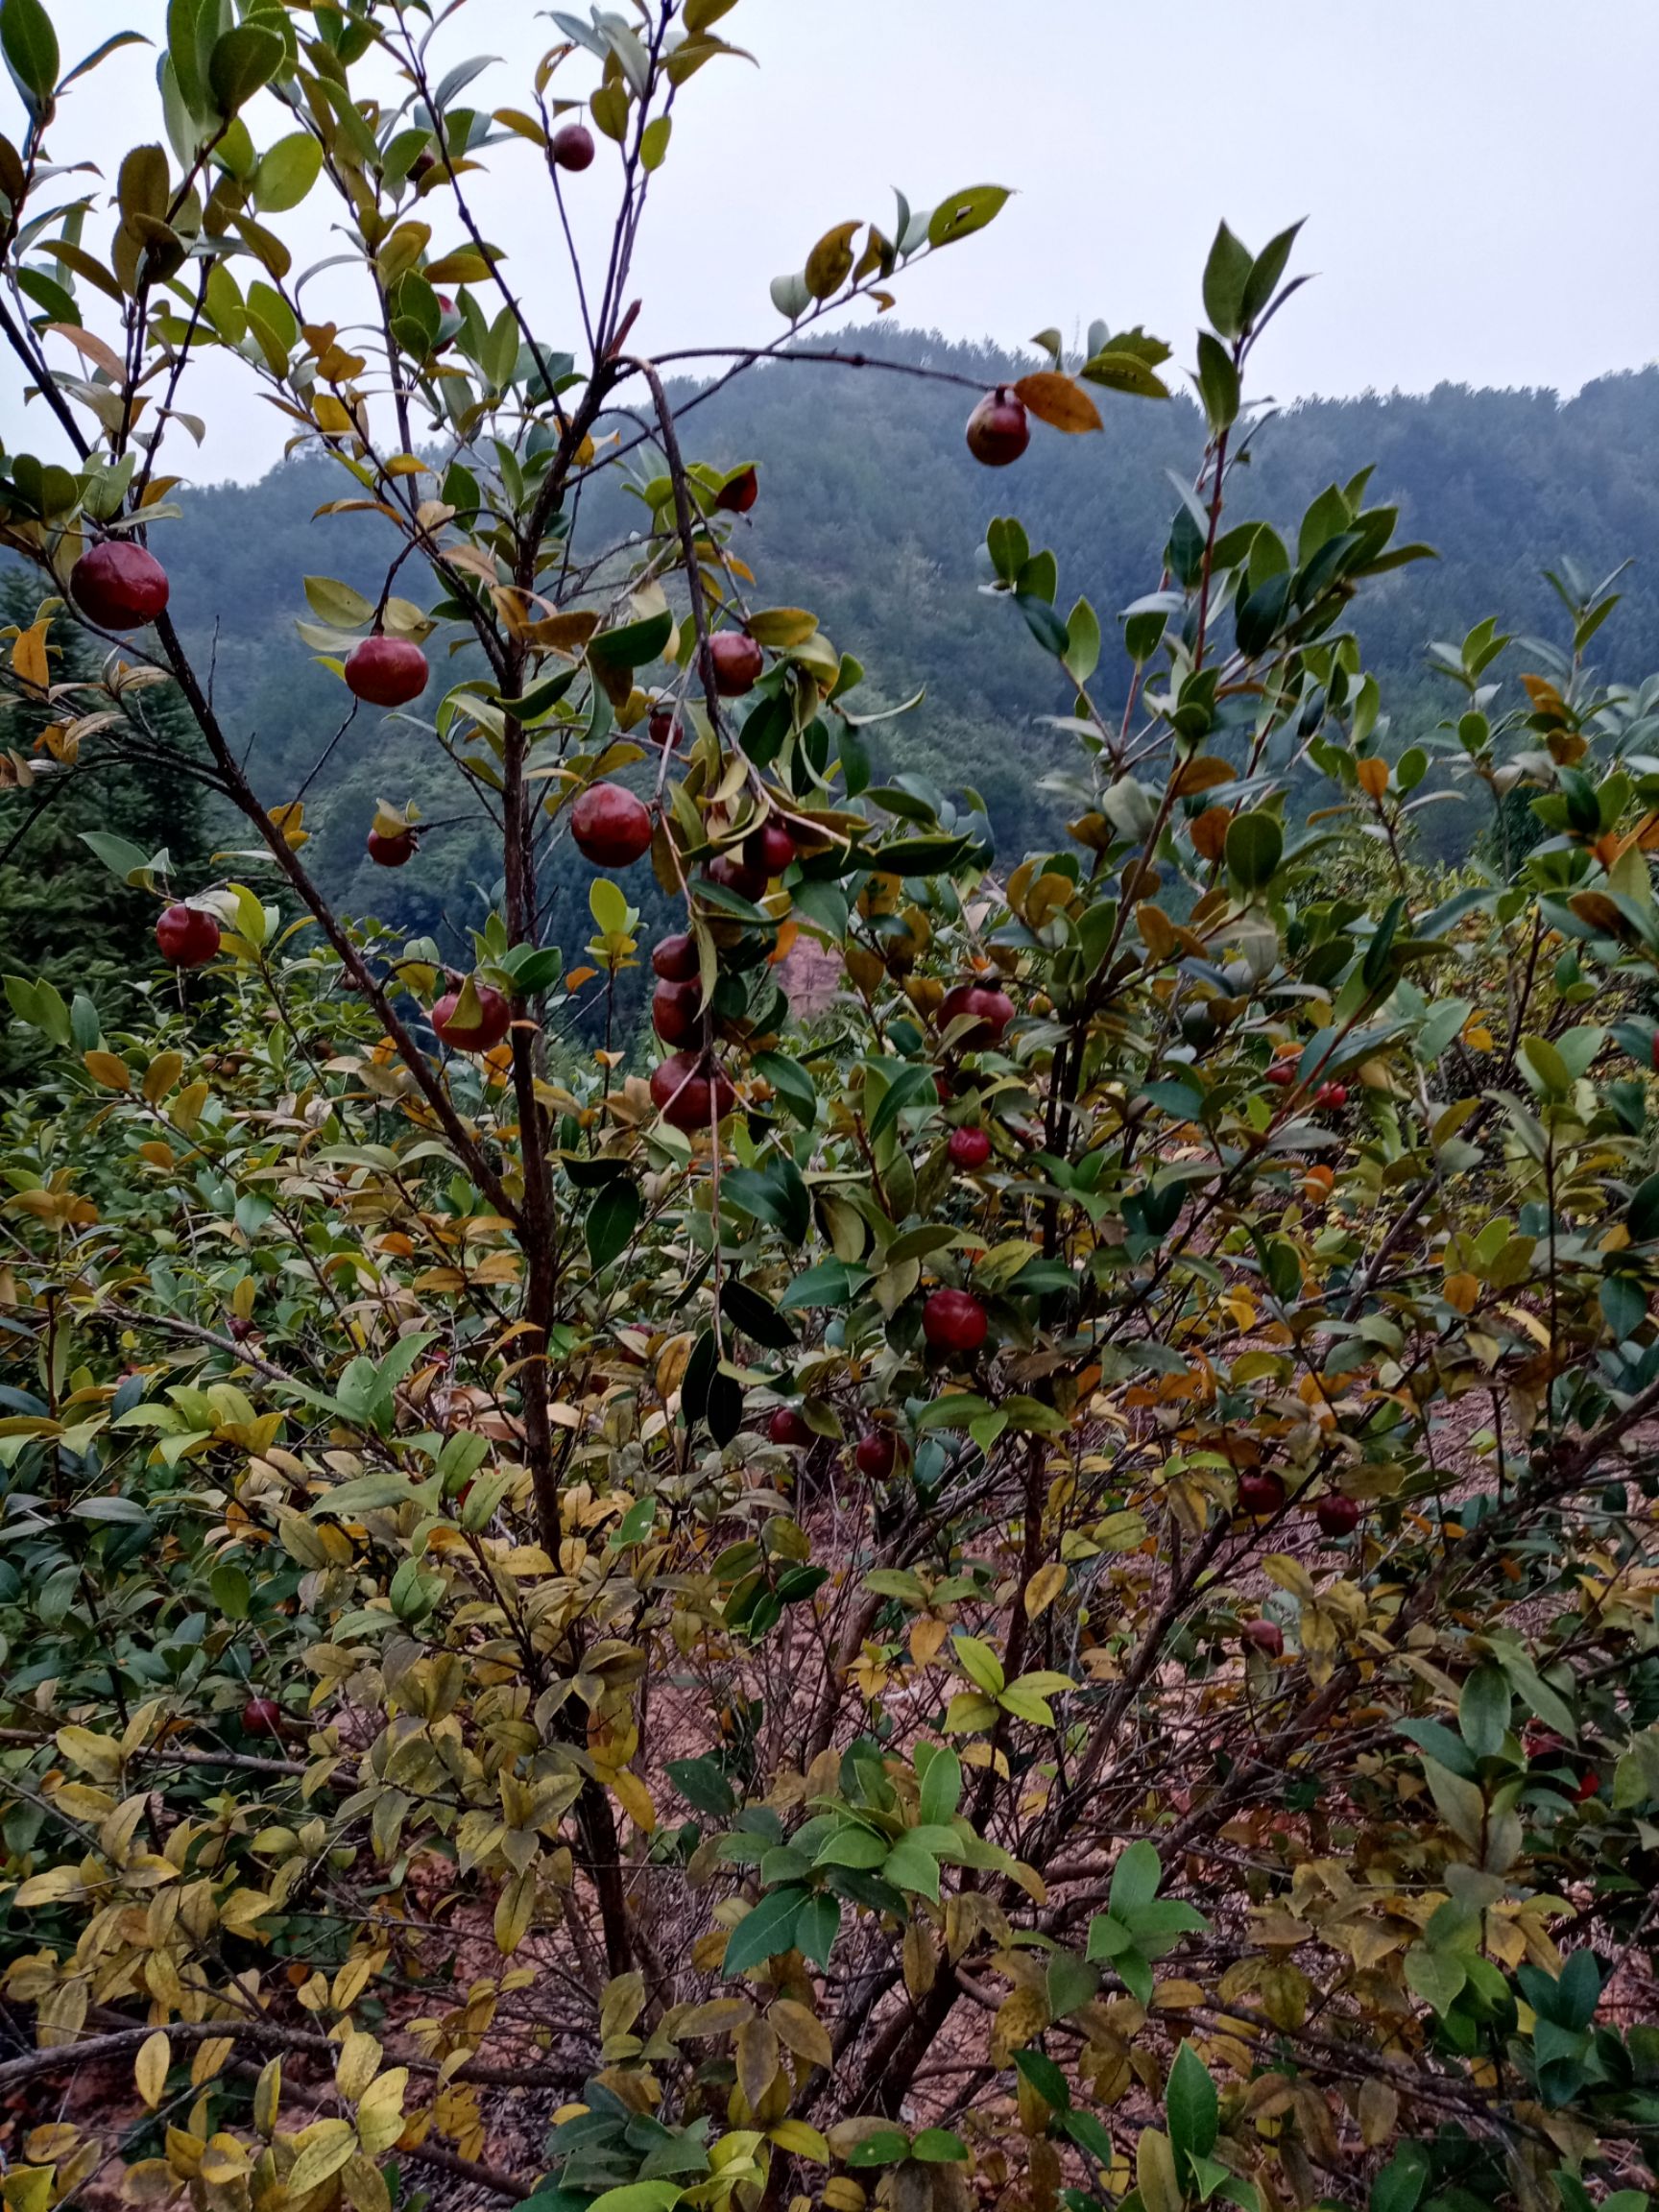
[(1481, 177)]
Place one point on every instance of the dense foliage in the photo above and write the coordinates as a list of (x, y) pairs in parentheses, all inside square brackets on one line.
[(1037, 1585)]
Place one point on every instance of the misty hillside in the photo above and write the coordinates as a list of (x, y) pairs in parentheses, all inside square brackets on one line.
[(871, 513)]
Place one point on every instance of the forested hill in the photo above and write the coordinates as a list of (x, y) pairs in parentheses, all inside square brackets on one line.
[(872, 512)]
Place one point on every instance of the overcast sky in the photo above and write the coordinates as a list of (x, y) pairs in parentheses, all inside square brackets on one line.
[(1480, 178)]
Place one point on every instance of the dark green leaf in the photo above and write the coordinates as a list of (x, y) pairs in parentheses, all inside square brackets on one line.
[(611, 1219)]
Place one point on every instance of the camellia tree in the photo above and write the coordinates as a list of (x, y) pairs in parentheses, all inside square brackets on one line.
[(1040, 1587)]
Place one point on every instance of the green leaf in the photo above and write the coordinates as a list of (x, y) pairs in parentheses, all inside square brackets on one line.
[(941, 1786), (1217, 383), (638, 2197), (911, 1086), (287, 173), (1134, 1880), (793, 1083), (122, 857), (909, 1866), (1255, 845), (817, 1925), (1226, 277), (29, 45), (632, 646), (612, 1221), (939, 2147), (961, 214), (1484, 1711), (756, 1318), (765, 1930), (336, 603), (244, 60), (1263, 280), (1043, 624), (1191, 2107), (1045, 2078), (884, 2148)]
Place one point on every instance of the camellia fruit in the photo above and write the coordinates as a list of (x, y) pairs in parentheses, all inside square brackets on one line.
[(391, 848), (878, 1454), (118, 585), (732, 873), (571, 146), (1337, 1515), (740, 495), (386, 671), (955, 1322), (1335, 1096), (663, 726), (769, 849), (1265, 1636), (969, 1150), (998, 429), (685, 1095), (675, 958), (262, 1716), (737, 662), (611, 825), (991, 1011), (1259, 1491), (187, 937), (1281, 1074), (677, 1012), (495, 1018), (786, 1427)]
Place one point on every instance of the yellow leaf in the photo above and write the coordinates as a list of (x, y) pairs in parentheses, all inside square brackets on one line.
[(380, 2114), (99, 1756), (162, 1072), (1044, 1587), (149, 2067), (325, 2148), (186, 1109), (801, 2031), (1058, 401), (1463, 1291), (268, 2097), (1373, 778), (829, 263), (29, 658), (209, 2059), (106, 1068), (333, 418), (801, 2141), (358, 2063), (512, 1909), (634, 1799)]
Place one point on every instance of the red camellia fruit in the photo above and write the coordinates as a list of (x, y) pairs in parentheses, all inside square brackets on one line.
[(611, 825), (1338, 1516), (1335, 1096), (786, 1427), (878, 1454), (391, 850), (685, 1095), (733, 872), (737, 662), (991, 1009), (677, 1012), (969, 1150), (187, 937), (663, 727), (262, 1716), (386, 671), (769, 849), (1267, 1636), (1283, 1072), (953, 1322), (494, 1019), (571, 146), (740, 495), (118, 585), (1259, 1491), (675, 958), (998, 430)]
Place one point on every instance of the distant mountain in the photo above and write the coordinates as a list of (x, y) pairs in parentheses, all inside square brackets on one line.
[(872, 512)]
